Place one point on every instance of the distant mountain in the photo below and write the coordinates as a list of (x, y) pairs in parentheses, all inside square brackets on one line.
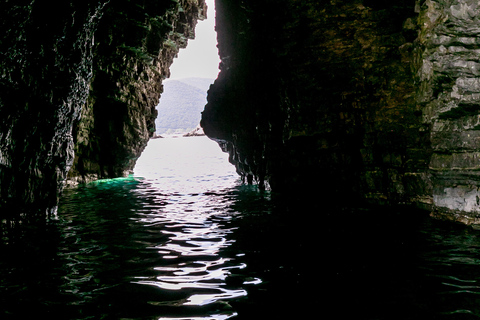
[(181, 104)]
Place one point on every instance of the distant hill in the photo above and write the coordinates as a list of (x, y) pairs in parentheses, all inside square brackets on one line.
[(181, 105)]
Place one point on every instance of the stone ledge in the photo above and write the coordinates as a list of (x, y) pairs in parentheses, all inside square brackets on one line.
[(456, 216), (466, 161)]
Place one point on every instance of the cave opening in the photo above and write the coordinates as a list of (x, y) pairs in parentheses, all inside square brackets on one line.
[(179, 143), (193, 70), (341, 106)]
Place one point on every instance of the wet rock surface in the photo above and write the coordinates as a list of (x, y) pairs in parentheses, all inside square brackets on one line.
[(78, 87), (367, 99), (329, 95), (450, 95), (137, 42), (46, 68)]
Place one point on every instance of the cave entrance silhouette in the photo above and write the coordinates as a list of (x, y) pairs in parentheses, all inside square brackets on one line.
[(191, 74), (179, 110)]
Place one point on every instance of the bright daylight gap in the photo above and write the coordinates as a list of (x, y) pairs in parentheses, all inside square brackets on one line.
[(181, 104), (192, 72), (200, 58)]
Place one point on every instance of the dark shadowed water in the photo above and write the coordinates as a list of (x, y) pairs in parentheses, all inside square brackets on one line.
[(184, 239)]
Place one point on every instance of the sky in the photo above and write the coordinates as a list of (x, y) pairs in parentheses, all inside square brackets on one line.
[(200, 58)]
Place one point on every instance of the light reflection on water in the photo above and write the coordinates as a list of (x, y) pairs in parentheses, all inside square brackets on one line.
[(193, 216), (170, 243), (175, 213)]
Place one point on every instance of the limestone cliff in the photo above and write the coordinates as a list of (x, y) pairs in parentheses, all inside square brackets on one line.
[(449, 80), (46, 61)]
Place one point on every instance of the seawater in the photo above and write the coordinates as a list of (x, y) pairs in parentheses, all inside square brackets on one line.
[(183, 238)]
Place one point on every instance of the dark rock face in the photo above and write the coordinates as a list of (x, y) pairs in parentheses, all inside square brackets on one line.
[(46, 67), (137, 42), (329, 94), (358, 100), (78, 89)]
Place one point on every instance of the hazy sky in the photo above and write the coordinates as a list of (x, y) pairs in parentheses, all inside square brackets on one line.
[(200, 58)]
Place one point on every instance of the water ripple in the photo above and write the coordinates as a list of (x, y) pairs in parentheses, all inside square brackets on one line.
[(193, 240)]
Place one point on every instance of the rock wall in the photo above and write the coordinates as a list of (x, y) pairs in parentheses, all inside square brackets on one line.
[(329, 94), (46, 64), (450, 98), (79, 83), (137, 42), (355, 101)]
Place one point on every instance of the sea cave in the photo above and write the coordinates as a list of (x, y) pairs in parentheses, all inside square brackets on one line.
[(348, 133), (368, 101)]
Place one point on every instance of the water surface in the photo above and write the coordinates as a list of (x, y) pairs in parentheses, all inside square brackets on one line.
[(183, 238)]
